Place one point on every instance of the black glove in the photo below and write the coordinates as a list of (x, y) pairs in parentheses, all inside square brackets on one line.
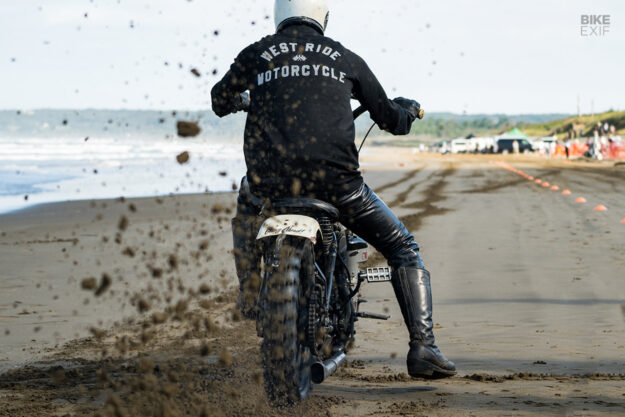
[(412, 107), (242, 103)]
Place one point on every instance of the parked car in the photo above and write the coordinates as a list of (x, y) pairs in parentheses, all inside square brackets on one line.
[(459, 146), (506, 146), (481, 144)]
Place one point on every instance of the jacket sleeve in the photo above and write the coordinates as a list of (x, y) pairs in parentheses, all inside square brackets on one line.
[(389, 115), (225, 94)]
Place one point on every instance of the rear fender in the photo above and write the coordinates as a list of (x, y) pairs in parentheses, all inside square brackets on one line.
[(290, 225)]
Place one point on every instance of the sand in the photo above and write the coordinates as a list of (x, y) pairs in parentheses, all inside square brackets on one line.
[(527, 287)]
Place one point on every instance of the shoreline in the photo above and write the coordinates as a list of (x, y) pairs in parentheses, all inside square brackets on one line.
[(51, 204)]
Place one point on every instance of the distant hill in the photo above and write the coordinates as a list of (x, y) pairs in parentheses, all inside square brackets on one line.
[(586, 123)]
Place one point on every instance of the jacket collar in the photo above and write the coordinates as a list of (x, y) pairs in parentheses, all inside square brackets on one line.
[(299, 29)]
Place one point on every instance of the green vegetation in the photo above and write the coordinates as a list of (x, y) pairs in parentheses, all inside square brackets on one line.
[(440, 126), (585, 122)]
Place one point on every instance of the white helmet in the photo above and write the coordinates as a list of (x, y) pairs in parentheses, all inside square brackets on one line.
[(314, 12)]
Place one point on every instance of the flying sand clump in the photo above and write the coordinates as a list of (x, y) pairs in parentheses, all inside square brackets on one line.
[(188, 129), (183, 158)]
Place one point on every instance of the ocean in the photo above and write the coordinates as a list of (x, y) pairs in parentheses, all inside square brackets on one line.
[(50, 156)]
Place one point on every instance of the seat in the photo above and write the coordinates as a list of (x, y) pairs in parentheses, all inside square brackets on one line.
[(310, 206)]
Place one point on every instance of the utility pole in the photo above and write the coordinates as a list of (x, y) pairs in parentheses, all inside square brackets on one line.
[(579, 109), (592, 107)]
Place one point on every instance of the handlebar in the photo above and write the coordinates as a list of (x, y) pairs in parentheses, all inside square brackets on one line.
[(360, 110)]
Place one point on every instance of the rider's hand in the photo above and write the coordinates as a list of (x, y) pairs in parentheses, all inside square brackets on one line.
[(411, 107), (242, 103)]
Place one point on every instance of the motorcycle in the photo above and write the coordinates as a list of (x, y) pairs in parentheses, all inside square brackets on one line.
[(308, 300)]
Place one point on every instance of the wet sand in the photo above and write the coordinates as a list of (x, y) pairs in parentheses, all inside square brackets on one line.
[(527, 286)]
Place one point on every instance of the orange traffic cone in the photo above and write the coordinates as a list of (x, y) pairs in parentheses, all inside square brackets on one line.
[(623, 221), (555, 188), (530, 178), (538, 181), (566, 192), (601, 207), (580, 200), (546, 184)]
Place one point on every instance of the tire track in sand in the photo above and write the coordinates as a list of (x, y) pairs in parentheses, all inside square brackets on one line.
[(403, 179), (432, 194), (401, 197)]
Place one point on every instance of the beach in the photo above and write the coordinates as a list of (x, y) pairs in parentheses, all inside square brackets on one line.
[(126, 306)]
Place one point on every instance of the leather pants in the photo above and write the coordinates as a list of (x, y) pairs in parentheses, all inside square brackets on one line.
[(365, 214), (362, 211)]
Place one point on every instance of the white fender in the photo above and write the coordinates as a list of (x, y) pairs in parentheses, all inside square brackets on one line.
[(290, 224)]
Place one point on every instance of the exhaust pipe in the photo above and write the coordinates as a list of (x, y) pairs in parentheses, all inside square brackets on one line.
[(320, 371)]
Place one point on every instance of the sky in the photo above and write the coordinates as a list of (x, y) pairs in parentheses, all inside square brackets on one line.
[(463, 56)]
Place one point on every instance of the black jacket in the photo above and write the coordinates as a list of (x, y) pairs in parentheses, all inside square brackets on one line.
[(299, 136)]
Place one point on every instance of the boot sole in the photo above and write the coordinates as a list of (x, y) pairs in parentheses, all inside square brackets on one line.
[(428, 370)]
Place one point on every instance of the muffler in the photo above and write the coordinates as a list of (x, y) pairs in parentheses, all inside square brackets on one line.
[(320, 371)]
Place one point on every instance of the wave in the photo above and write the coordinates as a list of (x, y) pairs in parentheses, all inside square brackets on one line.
[(35, 170)]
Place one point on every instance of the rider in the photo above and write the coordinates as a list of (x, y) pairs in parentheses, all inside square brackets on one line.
[(300, 141)]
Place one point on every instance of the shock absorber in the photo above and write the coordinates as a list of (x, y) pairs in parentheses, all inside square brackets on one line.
[(326, 233)]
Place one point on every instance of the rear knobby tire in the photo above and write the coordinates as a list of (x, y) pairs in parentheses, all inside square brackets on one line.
[(286, 358)]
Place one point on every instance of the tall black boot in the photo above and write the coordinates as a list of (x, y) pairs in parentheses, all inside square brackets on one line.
[(247, 258), (414, 294)]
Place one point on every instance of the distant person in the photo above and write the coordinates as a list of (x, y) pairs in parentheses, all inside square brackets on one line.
[(605, 141), (612, 133), (595, 144), (567, 144), (515, 147), (596, 149), (546, 147), (590, 145)]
